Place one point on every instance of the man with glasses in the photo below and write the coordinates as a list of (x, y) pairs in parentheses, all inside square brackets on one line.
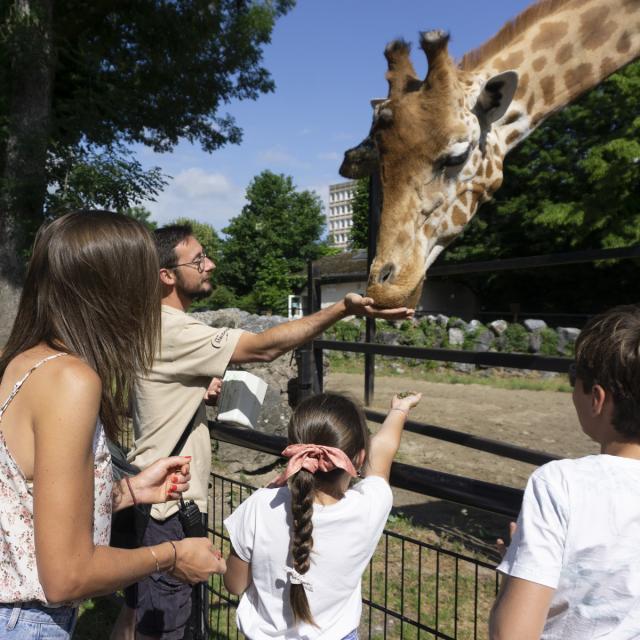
[(173, 394)]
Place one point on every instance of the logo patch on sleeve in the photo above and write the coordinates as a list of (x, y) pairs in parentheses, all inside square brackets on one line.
[(220, 339)]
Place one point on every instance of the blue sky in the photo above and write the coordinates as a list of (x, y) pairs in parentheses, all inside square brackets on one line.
[(326, 57)]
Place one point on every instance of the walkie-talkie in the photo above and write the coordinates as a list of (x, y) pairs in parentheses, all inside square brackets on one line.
[(191, 519)]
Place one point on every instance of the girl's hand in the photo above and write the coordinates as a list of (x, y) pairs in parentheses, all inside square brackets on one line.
[(196, 560), (406, 402), (213, 392), (164, 480)]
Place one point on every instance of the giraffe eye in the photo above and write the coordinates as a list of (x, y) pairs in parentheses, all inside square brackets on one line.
[(457, 160)]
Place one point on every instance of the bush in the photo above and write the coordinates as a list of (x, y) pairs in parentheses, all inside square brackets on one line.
[(515, 338), (549, 346), (347, 331)]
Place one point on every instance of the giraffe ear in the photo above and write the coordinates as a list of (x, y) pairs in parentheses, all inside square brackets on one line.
[(496, 96)]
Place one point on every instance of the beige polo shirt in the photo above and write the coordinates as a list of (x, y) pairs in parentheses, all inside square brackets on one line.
[(191, 353)]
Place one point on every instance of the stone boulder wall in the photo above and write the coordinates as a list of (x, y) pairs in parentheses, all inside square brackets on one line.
[(279, 375)]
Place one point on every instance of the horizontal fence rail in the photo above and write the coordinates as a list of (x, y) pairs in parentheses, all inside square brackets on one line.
[(468, 440), (505, 264), (467, 491), (411, 589), (483, 358)]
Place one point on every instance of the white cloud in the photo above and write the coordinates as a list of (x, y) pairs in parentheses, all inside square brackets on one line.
[(331, 156), (195, 193), (197, 183), (278, 156)]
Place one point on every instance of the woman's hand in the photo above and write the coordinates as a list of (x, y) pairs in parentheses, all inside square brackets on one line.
[(405, 401), (196, 560), (164, 480)]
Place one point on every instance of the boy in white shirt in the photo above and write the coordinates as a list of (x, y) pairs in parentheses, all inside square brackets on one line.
[(572, 570)]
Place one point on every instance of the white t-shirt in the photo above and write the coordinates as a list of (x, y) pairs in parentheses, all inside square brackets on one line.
[(579, 533), (345, 535)]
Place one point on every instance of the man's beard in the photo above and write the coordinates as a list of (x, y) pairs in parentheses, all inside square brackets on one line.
[(194, 292)]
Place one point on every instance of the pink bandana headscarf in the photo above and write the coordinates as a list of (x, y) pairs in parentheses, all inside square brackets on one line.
[(313, 457)]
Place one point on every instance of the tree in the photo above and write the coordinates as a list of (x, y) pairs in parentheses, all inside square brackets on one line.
[(277, 224), (93, 77), (359, 238), (573, 184)]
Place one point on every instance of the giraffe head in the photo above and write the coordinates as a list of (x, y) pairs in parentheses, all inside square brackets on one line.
[(438, 156)]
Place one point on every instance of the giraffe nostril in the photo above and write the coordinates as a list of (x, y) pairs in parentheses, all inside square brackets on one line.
[(386, 273)]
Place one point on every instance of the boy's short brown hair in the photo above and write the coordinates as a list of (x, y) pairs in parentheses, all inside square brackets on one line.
[(608, 354)]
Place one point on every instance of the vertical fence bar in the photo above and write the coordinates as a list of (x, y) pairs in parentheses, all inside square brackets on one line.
[(318, 352), (307, 376), (375, 206)]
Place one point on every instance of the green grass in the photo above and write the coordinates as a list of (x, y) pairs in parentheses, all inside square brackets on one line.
[(425, 371)]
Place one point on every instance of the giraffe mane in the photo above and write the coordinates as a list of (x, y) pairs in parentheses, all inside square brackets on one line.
[(509, 32)]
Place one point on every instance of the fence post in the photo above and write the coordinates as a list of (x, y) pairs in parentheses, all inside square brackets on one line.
[(308, 382), (375, 205)]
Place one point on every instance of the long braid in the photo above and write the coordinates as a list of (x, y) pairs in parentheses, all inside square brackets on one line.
[(301, 486)]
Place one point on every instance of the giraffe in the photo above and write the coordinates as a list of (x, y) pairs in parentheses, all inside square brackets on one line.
[(439, 143)]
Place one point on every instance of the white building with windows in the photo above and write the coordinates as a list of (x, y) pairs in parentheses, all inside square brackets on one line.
[(340, 218)]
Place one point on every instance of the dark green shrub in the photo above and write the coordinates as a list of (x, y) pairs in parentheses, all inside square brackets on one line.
[(515, 338), (549, 346)]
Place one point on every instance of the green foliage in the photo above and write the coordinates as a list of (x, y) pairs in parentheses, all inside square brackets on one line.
[(359, 237), (346, 330), (573, 184), (143, 215), (81, 177), (515, 339), (549, 346), (278, 229), (273, 285), (435, 335), (150, 73)]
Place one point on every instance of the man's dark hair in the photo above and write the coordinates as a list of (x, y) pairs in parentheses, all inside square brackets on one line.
[(608, 354), (167, 239)]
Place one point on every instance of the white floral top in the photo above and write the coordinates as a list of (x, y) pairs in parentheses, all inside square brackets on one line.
[(18, 572)]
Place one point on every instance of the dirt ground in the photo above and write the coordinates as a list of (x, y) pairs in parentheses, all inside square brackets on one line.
[(542, 420)]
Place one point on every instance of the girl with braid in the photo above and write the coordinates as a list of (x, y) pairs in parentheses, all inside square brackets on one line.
[(300, 546)]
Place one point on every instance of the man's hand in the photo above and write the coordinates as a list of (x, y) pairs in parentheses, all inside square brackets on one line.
[(357, 305), (213, 392)]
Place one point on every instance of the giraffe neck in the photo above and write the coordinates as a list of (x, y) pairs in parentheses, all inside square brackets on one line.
[(560, 49)]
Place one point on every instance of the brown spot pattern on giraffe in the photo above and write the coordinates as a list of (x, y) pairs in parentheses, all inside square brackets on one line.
[(512, 137), (547, 85), (539, 63), (564, 53), (548, 34), (522, 86), (403, 238), (578, 77), (624, 43), (458, 217), (427, 230), (489, 171), (512, 116), (595, 29), (607, 66), (530, 102), (512, 60)]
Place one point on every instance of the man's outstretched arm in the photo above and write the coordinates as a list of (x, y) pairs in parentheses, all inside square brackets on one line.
[(274, 342)]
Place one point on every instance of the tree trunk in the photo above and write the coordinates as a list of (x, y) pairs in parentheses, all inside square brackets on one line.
[(23, 186)]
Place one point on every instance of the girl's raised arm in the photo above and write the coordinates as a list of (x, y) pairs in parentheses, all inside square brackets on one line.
[(384, 445)]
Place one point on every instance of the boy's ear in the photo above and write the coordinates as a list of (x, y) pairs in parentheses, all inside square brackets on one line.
[(362, 454), (598, 399)]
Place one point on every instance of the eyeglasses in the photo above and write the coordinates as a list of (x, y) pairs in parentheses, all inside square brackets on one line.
[(196, 263), (572, 374)]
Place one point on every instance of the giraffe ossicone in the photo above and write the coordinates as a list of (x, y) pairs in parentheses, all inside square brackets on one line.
[(439, 143)]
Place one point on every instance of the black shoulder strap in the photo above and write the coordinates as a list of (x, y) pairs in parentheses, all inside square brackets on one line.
[(185, 434)]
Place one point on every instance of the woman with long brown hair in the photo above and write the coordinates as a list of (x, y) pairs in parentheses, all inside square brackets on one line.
[(88, 321)]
